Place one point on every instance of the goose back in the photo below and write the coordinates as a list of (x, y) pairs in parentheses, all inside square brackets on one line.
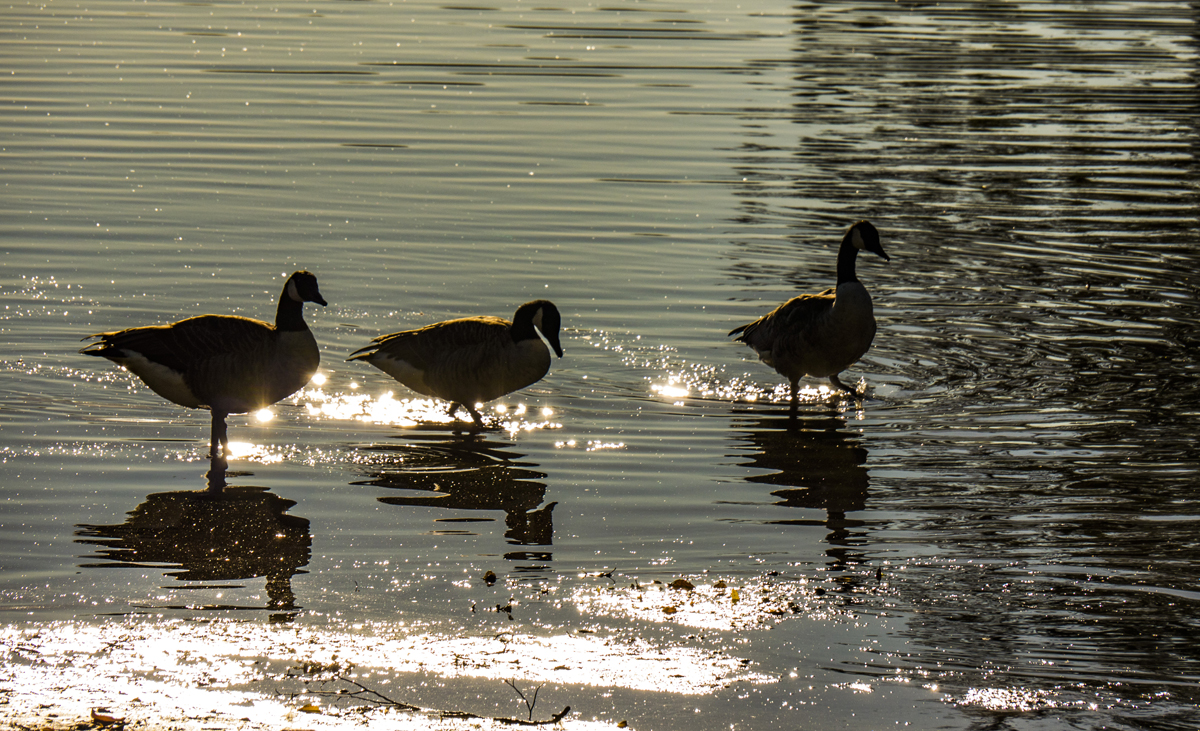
[(468, 360), (225, 363)]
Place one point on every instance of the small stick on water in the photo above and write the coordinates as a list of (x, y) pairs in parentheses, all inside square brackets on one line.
[(511, 721), (378, 700), (528, 703), (364, 694)]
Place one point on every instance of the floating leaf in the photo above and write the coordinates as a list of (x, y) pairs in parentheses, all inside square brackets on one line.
[(310, 708), (682, 584)]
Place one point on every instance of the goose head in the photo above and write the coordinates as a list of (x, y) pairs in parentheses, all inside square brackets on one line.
[(540, 314), (864, 237), (302, 287)]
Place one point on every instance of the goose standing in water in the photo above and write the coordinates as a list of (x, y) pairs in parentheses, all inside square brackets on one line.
[(224, 363), (472, 359), (820, 334)]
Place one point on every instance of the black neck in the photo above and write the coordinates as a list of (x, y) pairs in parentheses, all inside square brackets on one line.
[(290, 315), (846, 257), (522, 326)]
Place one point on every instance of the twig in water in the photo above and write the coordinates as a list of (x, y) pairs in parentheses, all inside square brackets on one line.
[(528, 703), (379, 700), (365, 694), (511, 721)]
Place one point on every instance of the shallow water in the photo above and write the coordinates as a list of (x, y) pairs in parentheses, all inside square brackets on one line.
[(1003, 534)]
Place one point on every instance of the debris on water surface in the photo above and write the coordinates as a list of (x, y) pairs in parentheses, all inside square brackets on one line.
[(105, 717), (226, 674)]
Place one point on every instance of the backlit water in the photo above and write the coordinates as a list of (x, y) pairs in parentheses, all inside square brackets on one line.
[(1005, 534)]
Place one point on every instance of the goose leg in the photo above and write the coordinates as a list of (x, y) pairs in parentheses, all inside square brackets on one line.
[(216, 476), (474, 414), (218, 447), (843, 387)]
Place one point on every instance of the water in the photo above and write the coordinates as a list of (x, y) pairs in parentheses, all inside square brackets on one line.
[(1003, 535)]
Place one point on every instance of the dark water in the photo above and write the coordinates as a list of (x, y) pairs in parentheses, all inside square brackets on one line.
[(1004, 535)]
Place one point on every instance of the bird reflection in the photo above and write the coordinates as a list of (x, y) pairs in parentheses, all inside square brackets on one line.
[(469, 472), (237, 533), (815, 463)]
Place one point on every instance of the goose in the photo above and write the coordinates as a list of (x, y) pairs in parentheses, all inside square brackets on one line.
[(224, 363), (470, 360), (820, 334)]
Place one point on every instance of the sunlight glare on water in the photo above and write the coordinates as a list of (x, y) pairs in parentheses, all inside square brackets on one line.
[(986, 536)]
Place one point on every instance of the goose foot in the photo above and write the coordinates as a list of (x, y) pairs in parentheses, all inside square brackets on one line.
[(843, 387), (475, 417)]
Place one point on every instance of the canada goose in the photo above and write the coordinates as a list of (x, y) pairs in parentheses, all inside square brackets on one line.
[(223, 363), (820, 334), (472, 359)]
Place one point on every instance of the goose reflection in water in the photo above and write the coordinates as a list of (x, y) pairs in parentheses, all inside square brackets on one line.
[(815, 463), (469, 472), (234, 534)]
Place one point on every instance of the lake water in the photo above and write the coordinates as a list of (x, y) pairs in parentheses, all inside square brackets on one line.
[(1005, 534)]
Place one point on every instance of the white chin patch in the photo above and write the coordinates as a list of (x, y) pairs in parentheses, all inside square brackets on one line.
[(295, 294), (857, 239), (537, 318)]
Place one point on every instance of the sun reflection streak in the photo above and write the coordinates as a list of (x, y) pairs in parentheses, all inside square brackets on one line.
[(591, 445), (515, 427), (1009, 699), (705, 382), (672, 389), (235, 670), (255, 453), (386, 409), (715, 606)]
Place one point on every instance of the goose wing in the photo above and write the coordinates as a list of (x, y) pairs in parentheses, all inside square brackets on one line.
[(184, 344), (789, 324), (456, 360), (466, 340)]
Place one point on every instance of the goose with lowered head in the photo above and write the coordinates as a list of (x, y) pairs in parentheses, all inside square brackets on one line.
[(470, 360)]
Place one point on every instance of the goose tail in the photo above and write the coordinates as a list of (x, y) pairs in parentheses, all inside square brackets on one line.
[(104, 348), (744, 332), (364, 352)]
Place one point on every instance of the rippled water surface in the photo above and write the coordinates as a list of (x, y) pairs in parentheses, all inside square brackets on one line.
[(1003, 534)]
